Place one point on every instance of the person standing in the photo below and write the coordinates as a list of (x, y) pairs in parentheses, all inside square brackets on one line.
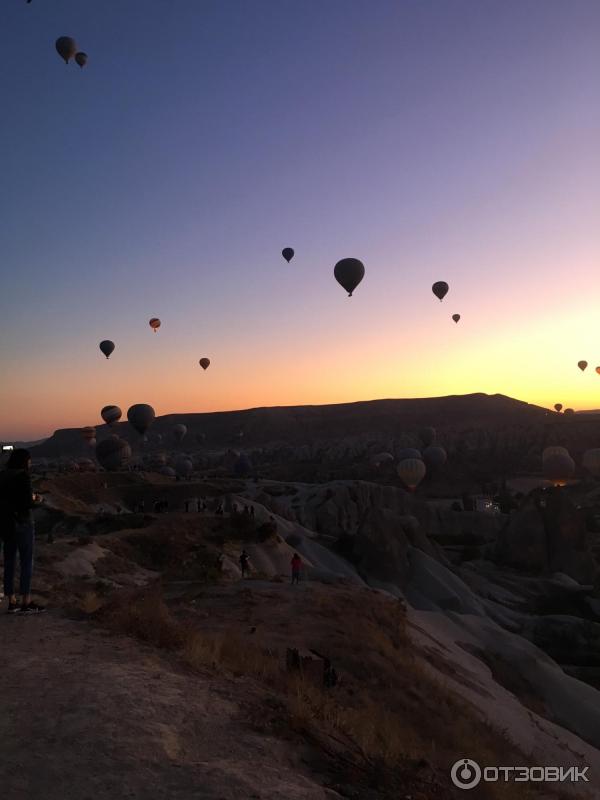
[(17, 531), (296, 564), (244, 563)]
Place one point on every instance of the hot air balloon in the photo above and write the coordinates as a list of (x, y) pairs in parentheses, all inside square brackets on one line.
[(409, 452), (111, 414), (66, 47), (598, 370), (140, 417), (411, 472), (558, 407), (107, 347), (179, 432), (568, 412), (440, 289), (154, 324), (456, 317), (81, 59), (582, 365), (558, 468), (287, 253), (204, 363), (113, 453), (382, 458), (349, 272), (183, 467), (591, 461), (427, 436), (554, 450), (435, 456)]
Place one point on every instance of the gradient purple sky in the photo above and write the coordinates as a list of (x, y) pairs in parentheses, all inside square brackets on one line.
[(435, 140)]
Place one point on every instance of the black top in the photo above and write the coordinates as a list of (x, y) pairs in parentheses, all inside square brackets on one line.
[(16, 497)]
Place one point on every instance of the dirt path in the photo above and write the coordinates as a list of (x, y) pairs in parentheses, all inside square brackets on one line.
[(85, 716)]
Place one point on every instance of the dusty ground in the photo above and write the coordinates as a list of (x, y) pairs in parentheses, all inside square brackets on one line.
[(208, 710), (87, 715)]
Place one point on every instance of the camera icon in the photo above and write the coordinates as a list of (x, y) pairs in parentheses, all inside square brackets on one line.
[(465, 773)]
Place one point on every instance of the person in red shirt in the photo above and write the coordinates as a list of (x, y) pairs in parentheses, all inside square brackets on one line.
[(296, 567)]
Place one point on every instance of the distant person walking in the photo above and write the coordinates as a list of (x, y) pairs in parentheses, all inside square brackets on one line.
[(17, 532), (244, 563), (296, 564)]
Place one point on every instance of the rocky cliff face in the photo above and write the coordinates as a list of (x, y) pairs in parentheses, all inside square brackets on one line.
[(548, 535)]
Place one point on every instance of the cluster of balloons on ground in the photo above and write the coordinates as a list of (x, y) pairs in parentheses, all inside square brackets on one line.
[(412, 463), (558, 466)]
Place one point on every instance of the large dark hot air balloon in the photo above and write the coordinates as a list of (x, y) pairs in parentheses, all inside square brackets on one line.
[(140, 417), (435, 456), (154, 324), (558, 407), (287, 253), (66, 47), (456, 317), (204, 363), (440, 289), (179, 432), (349, 272), (81, 59), (111, 414), (411, 472), (113, 453), (558, 467), (582, 365), (107, 347)]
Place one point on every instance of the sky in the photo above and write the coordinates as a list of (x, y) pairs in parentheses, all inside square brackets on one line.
[(451, 140)]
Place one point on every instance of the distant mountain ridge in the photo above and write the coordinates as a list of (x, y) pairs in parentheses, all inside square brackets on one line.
[(299, 424)]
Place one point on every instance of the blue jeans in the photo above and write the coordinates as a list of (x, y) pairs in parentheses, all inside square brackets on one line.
[(21, 542)]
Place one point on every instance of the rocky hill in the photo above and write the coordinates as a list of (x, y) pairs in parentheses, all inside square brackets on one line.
[(302, 425), (451, 632)]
